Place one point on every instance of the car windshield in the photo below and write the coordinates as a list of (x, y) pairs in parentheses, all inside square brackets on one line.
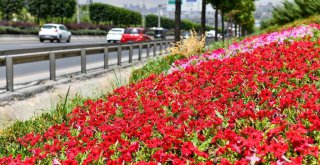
[(132, 31), (49, 27)]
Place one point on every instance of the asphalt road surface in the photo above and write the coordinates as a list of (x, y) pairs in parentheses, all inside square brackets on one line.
[(38, 44), (12, 45)]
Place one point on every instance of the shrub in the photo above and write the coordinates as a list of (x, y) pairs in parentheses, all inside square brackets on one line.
[(88, 32), (193, 45), (14, 30), (310, 20), (81, 26), (22, 25)]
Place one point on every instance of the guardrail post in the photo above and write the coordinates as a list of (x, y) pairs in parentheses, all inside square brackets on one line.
[(9, 73), (106, 58), (130, 53), (165, 45), (83, 61), (155, 49), (52, 58), (148, 50), (140, 52), (119, 55), (161, 47)]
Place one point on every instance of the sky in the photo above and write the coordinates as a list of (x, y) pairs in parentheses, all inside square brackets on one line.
[(153, 3)]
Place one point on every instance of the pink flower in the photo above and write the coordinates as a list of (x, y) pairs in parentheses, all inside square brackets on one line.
[(55, 161), (253, 159)]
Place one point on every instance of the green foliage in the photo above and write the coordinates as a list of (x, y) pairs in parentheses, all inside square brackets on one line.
[(96, 14), (152, 21), (45, 9), (267, 23), (240, 11), (9, 7), (291, 11), (274, 27), (100, 12), (308, 7), (223, 44), (41, 9), (85, 14), (88, 32), (63, 9), (24, 16), (15, 30), (154, 66), (243, 14), (288, 13)]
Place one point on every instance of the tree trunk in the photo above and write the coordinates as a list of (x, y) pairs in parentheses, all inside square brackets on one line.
[(6, 17), (216, 24), (177, 29), (222, 25), (235, 29), (38, 19), (203, 18), (231, 24)]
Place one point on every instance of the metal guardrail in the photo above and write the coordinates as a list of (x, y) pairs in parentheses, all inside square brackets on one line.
[(11, 57)]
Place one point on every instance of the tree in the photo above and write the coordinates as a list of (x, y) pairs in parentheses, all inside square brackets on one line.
[(41, 9), (9, 7), (216, 5), (308, 7), (225, 7), (63, 9), (110, 14), (288, 13), (96, 12), (243, 14), (177, 30)]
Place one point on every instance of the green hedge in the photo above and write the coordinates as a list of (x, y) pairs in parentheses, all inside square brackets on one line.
[(88, 32), (100, 12), (14, 30)]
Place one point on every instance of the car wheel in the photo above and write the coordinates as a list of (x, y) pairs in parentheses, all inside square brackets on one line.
[(41, 40), (59, 39), (51, 40), (69, 39)]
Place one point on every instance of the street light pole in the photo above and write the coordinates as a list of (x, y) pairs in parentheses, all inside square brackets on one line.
[(78, 12), (159, 19)]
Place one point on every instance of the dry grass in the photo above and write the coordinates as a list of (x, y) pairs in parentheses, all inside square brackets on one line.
[(193, 45)]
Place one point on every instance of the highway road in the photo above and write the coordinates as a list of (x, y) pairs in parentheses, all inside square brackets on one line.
[(30, 72), (38, 44)]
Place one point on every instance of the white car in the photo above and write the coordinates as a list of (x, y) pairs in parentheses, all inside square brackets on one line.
[(211, 34), (54, 32), (115, 34)]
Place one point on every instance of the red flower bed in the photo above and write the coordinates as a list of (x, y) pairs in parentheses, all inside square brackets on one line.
[(259, 107)]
